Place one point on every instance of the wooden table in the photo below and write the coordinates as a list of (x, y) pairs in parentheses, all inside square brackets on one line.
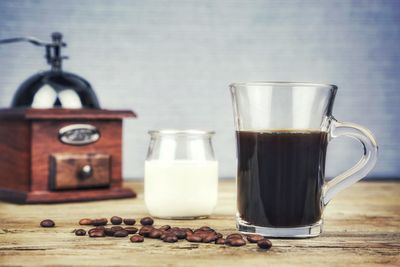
[(362, 228)]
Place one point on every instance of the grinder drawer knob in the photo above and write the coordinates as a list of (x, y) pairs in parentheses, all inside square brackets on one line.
[(86, 172)]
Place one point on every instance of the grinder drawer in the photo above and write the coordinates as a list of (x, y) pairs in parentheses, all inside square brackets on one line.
[(75, 171)]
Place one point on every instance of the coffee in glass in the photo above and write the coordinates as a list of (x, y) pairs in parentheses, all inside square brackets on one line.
[(283, 130)]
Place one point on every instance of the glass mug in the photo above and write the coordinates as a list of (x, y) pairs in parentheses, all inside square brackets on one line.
[(181, 174), (282, 133)]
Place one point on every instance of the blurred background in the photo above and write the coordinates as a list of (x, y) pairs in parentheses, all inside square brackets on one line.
[(172, 62)]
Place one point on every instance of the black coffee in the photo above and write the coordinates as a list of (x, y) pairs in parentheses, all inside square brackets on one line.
[(280, 177)]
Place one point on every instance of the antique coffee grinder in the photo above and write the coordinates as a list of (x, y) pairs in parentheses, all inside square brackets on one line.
[(56, 143)]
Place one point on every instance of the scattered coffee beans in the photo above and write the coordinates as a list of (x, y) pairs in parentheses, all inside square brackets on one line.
[(80, 232), (116, 220), (85, 221), (131, 229), (136, 238), (166, 233), (254, 238), (128, 221), (47, 223), (98, 222), (264, 243), (121, 233), (147, 221)]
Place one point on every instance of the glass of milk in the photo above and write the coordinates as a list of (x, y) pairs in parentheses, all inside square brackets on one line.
[(181, 174)]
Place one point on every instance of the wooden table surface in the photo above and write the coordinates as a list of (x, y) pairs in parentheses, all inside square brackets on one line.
[(362, 228)]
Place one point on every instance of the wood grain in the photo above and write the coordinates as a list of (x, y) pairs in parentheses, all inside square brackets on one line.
[(58, 113), (110, 143), (64, 171), (14, 154), (36, 197), (362, 228), (28, 139)]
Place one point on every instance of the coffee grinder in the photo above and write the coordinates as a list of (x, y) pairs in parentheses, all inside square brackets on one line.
[(56, 143)]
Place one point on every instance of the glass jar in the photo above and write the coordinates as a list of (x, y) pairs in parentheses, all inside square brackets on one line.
[(181, 174)]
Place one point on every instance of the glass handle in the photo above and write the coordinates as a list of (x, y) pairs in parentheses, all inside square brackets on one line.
[(362, 168)]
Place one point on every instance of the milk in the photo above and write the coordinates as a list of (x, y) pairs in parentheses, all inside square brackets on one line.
[(180, 188)]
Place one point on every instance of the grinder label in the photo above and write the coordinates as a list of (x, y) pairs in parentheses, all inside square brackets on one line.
[(78, 134)]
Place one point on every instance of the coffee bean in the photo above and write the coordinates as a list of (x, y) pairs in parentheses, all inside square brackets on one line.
[(167, 233), (228, 240), (97, 233), (136, 238), (109, 232), (155, 233), (121, 233), (220, 241), (80, 232), (204, 231), (131, 230), (206, 228), (254, 238), (85, 221), (194, 238), (128, 221), (116, 220), (117, 228), (188, 231), (145, 230), (147, 221), (235, 235), (210, 238), (98, 228), (164, 228), (180, 234), (99, 222), (236, 242), (201, 233), (47, 223), (219, 235), (170, 239), (264, 243)]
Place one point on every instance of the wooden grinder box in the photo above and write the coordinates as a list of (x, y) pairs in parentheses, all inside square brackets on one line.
[(61, 155)]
